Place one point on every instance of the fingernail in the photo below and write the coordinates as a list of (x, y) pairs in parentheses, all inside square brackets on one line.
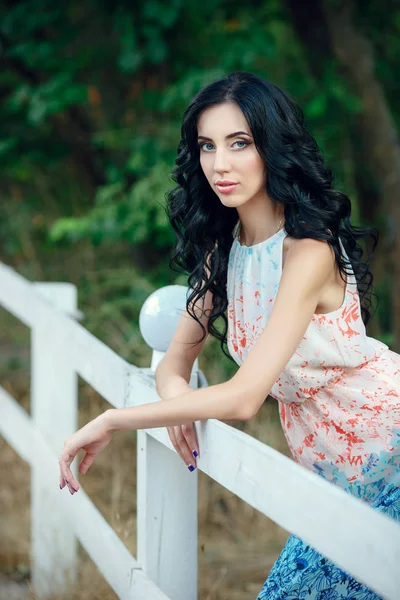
[(74, 489), (60, 486), (191, 468), (195, 453)]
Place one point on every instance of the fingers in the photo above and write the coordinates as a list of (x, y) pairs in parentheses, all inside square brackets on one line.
[(190, 436), (171, 433), (62, 482), (66, 476), (185, 451), (86, 462), (179, 437)]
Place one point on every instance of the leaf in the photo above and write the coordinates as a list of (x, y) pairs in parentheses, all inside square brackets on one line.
[(317, 106)]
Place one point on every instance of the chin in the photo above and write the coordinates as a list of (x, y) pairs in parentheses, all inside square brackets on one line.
[(231, 201)]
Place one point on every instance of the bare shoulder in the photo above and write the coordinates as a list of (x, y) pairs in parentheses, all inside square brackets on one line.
[(307, 254), (309, 251)]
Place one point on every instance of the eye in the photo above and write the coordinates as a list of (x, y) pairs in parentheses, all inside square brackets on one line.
[(242, 142), (202, 145), (205, 144)]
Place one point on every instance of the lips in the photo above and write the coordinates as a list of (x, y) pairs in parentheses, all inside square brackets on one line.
[(226, 188)]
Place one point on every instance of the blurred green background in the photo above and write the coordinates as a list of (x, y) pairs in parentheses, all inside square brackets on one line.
[(92, 95)]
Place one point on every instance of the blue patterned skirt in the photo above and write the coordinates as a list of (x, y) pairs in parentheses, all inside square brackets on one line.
[(302, 573)]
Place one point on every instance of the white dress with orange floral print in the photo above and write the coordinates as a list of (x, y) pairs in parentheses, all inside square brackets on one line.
[(339, 394)]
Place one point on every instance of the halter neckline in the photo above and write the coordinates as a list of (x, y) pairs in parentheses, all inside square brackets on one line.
[(269, 239)]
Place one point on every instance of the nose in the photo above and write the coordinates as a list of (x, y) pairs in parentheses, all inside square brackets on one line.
[(221, 162)]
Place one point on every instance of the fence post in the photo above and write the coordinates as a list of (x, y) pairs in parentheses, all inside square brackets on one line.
[(166, 489), (54, 405)]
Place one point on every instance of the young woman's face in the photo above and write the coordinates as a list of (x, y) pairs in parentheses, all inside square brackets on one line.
[(230, 158)]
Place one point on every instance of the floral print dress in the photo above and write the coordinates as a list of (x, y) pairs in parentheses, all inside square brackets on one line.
[(339, 405)]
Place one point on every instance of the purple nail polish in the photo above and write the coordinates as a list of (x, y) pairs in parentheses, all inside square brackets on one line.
[(60, 486), (191, 468), (195, 454)]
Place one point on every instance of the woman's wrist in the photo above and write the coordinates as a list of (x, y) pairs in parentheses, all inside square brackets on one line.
[(109, 420), (112, 416)]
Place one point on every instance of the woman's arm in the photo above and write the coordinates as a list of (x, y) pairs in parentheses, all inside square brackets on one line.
[(307, 267), (221, 401)]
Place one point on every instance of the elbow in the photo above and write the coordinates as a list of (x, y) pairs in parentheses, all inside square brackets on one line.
[(244, 407), (247, 411)]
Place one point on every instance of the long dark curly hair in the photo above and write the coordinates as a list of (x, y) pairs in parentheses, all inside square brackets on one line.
[(297, 178)]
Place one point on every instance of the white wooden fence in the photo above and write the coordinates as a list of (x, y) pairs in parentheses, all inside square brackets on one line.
[(360, 540)]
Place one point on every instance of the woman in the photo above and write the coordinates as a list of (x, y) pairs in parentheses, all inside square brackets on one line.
[(297, 294)]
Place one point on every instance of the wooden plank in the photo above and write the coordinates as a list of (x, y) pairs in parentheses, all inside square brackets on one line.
[(118, 567), (54, 413), (357, 538), (167, 521), (84, 353)]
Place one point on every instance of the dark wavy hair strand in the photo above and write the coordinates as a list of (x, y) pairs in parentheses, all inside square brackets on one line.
[(297, 178)]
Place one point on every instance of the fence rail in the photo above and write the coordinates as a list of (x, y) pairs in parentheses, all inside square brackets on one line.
[(100, 541), (346, 530)]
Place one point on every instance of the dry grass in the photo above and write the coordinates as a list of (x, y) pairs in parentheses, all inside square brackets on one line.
[(237, 545)]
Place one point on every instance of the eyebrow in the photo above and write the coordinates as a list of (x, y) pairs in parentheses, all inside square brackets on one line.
[(231, 135)]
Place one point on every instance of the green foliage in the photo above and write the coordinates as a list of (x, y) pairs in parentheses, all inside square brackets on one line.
[(134, 215), (92, 96)]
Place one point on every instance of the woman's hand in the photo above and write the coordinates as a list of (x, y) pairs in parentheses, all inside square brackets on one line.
[(92, 438), (183, 437)]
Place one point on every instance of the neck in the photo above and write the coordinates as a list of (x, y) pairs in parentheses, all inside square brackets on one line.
[(243, 236)]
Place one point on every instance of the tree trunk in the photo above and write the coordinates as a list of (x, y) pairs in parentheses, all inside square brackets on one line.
[(355, 53), (327, 33)]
